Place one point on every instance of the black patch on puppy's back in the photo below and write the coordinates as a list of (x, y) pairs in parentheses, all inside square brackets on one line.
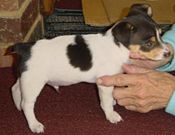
[(79, 54)]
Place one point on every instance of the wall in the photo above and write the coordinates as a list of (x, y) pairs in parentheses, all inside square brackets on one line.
[(20, 21)]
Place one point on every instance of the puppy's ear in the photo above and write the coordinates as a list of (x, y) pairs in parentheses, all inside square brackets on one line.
[(140, 9), (122, 32)]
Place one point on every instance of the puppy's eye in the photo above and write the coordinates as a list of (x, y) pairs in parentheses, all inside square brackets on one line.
[(149, 45)]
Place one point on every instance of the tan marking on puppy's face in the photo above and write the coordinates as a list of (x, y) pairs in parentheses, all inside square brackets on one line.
[(153, 54), (134, 48), (153, 39)]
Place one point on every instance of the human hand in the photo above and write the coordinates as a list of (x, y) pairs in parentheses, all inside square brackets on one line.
[(141, 89), (146, 63)]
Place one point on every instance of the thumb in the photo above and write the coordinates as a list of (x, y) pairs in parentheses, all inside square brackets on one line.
[(118, 80), (106, 81), (131, 69)]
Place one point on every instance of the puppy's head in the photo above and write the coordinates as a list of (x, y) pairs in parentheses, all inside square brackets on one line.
[(140, 34)]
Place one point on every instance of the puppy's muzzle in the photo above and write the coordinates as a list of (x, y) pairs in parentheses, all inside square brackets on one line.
[(166, 52)]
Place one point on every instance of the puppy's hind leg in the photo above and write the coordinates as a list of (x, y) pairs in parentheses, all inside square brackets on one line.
[(31, 88), (107, 103), (16, 94)]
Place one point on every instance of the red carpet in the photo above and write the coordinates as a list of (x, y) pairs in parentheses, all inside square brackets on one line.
[(76, 111)]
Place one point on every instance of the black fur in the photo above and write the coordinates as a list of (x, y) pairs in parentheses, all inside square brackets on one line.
[(139, 9), (122, 33), (79, 54), (24, 52)]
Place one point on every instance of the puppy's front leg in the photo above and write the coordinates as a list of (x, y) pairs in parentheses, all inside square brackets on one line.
[(106, 102)]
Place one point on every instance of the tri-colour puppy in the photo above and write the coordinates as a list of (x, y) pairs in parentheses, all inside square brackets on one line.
[(70, 59)]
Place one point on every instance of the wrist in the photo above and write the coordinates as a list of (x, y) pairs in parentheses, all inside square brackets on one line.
[(170, 108)]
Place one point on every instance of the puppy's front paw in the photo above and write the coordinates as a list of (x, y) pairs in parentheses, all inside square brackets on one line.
[(114, 117), (37, 127)]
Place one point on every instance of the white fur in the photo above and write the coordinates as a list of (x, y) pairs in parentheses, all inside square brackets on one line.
[(49, 64), (149, 12)]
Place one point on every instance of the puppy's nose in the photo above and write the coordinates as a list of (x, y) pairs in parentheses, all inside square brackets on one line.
[(167, 54)]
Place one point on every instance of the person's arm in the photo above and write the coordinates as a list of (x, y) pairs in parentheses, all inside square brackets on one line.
[(170, 108), (169, 37)]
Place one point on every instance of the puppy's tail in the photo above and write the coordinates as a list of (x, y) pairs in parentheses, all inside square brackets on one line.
[(16, 48), (19, 48)]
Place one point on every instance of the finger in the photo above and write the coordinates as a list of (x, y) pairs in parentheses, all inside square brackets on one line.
[(119, 80), (126, 102), (138, 109), (131, 108), (132, 69), (123, 93), (146, 108)]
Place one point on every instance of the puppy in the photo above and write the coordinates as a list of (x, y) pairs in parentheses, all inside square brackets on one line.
[(71, 59)]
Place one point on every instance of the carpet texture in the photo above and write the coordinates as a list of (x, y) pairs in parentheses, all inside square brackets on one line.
[(75, 110)]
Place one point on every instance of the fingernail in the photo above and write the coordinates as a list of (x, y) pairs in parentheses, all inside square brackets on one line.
[(99, 81)]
